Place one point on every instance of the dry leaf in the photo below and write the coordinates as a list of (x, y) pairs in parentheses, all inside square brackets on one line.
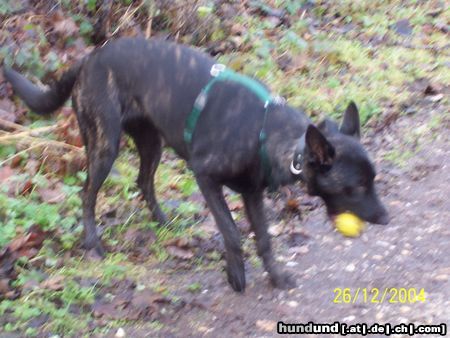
[(292, 204), (180, 253), (107, 310), (67, 27), (54, 283), (27, 187), (52, 195), (5, 173), (235, 205), (7, 110), (4, 286), (29, 244), (276, 229), (181, 242)]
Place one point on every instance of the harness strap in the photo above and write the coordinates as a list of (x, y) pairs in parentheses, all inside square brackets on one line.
[(221, 73)]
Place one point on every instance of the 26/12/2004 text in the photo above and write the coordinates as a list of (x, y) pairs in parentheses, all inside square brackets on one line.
[(377, 296)]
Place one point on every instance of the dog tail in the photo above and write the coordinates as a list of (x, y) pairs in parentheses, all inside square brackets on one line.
[(43, 101)]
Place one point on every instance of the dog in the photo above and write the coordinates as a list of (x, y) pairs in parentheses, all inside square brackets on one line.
[(148, 88)]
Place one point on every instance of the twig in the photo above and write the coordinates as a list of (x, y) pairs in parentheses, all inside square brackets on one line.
[(27, 133), (62, 145), (31, 140), (126, 17), (148, 31), (20, 153), (42, 143), (5, 124)]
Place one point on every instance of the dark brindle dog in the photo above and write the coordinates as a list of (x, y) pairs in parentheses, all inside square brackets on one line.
[(148, 89)]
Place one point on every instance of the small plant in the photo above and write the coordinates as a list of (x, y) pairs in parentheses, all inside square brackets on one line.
[(195, 287)]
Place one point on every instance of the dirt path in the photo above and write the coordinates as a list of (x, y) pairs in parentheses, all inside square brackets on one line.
[(411, 252)]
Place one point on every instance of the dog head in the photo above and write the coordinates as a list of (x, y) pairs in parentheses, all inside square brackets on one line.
[(336, 167)]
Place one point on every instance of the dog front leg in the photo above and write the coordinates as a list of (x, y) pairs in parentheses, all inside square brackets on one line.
[(216, 202), (254, 208)]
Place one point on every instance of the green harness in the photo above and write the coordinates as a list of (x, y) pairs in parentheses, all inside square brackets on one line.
[(223, 74)]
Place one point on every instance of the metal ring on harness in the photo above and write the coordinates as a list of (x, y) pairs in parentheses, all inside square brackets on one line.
[(217, 68), (294, 170)]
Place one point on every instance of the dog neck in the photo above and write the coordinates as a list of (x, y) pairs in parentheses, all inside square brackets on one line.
[(282, 159)]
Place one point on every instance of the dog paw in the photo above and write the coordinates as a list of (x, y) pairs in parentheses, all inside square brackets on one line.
[(236, 278), (94, 244), (283, 280), (100, 250), (160, 217), (92, 255)]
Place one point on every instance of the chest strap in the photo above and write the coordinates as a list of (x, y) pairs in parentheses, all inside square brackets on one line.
[(221, 73)]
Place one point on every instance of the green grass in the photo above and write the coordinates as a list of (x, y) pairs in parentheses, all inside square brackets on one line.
[(399, 157), (340, 68)]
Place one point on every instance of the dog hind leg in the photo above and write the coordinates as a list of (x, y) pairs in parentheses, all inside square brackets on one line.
[(149, 145), (101, 135)]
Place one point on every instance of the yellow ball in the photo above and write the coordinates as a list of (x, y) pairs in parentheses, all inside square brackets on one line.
[(349, 224)]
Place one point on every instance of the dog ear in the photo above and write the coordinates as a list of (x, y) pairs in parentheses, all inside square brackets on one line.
[(318, 150), (350, 122)]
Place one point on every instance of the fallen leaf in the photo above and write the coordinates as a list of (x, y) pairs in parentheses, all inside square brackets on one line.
[(181, 242), (28, 244), (179, 252), (32, 166), (66, 27), (23, 245), (107, 310), (52, 195), (26, 187), (7, 110), (235, 205), (138, 242), (54, 283), (4, 286), (144, 299), (237, 29), (16, 161), (5, 173), (276, 229), (292, 204), (146, 303)]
